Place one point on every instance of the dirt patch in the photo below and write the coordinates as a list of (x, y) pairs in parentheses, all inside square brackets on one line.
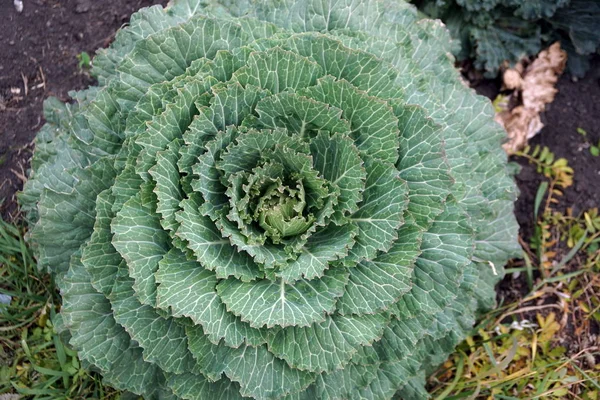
[(577, 105), (38, 59)]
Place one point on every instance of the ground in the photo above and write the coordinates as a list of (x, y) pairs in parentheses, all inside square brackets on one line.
[(38, 59), (576, 106)]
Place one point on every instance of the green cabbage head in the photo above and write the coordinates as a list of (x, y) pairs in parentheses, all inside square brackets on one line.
[(274, 199)]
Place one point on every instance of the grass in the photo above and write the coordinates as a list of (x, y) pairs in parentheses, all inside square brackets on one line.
[(516, 361), (540, 344), (34, 362)]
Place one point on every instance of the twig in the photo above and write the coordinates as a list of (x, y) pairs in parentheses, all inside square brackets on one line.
[(25, 83), (525, 309)]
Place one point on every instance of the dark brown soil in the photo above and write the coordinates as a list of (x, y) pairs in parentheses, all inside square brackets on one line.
[(577, 105), (38, 59)]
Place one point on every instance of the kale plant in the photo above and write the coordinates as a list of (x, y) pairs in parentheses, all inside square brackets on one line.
[(495, 31), (272, 199)]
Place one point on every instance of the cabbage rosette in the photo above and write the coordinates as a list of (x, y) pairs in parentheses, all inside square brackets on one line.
[(272, 199)]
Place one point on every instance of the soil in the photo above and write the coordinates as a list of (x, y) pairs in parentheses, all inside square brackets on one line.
[(577, 105), (38, 59)]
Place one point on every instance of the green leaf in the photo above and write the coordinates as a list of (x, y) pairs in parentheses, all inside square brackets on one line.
[(261, 375), (229, 106), (186, 289), (344, 383), (445, 252), (142, 24), (363, 70), (494, 44), (337, 158), (142, 242), (422, 163), (300, 115), (168, 125), (194, 387), (163, 340), (326, 245), (212, 250), (271, 303), (268, 254), (209, 177), (328, 345), (539, 196), (247, 152), (101, 341), (168, 191), (67, 218), (168, 53), (100, 258), (278, 70), (400, 338), (374, 127), (377, 284), (211, 358), (377, 225)]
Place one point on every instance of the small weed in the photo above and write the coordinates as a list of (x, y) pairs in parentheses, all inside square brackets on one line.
[(85, 61), (514, 361), (500, 103), (594, 148), (560, 177)]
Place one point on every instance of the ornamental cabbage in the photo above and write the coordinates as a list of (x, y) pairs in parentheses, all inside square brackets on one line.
[(272, 199)]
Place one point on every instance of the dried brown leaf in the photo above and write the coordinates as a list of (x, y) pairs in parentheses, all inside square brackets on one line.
[(520, 124), (512, 79), (536, 85), (541, 77)]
